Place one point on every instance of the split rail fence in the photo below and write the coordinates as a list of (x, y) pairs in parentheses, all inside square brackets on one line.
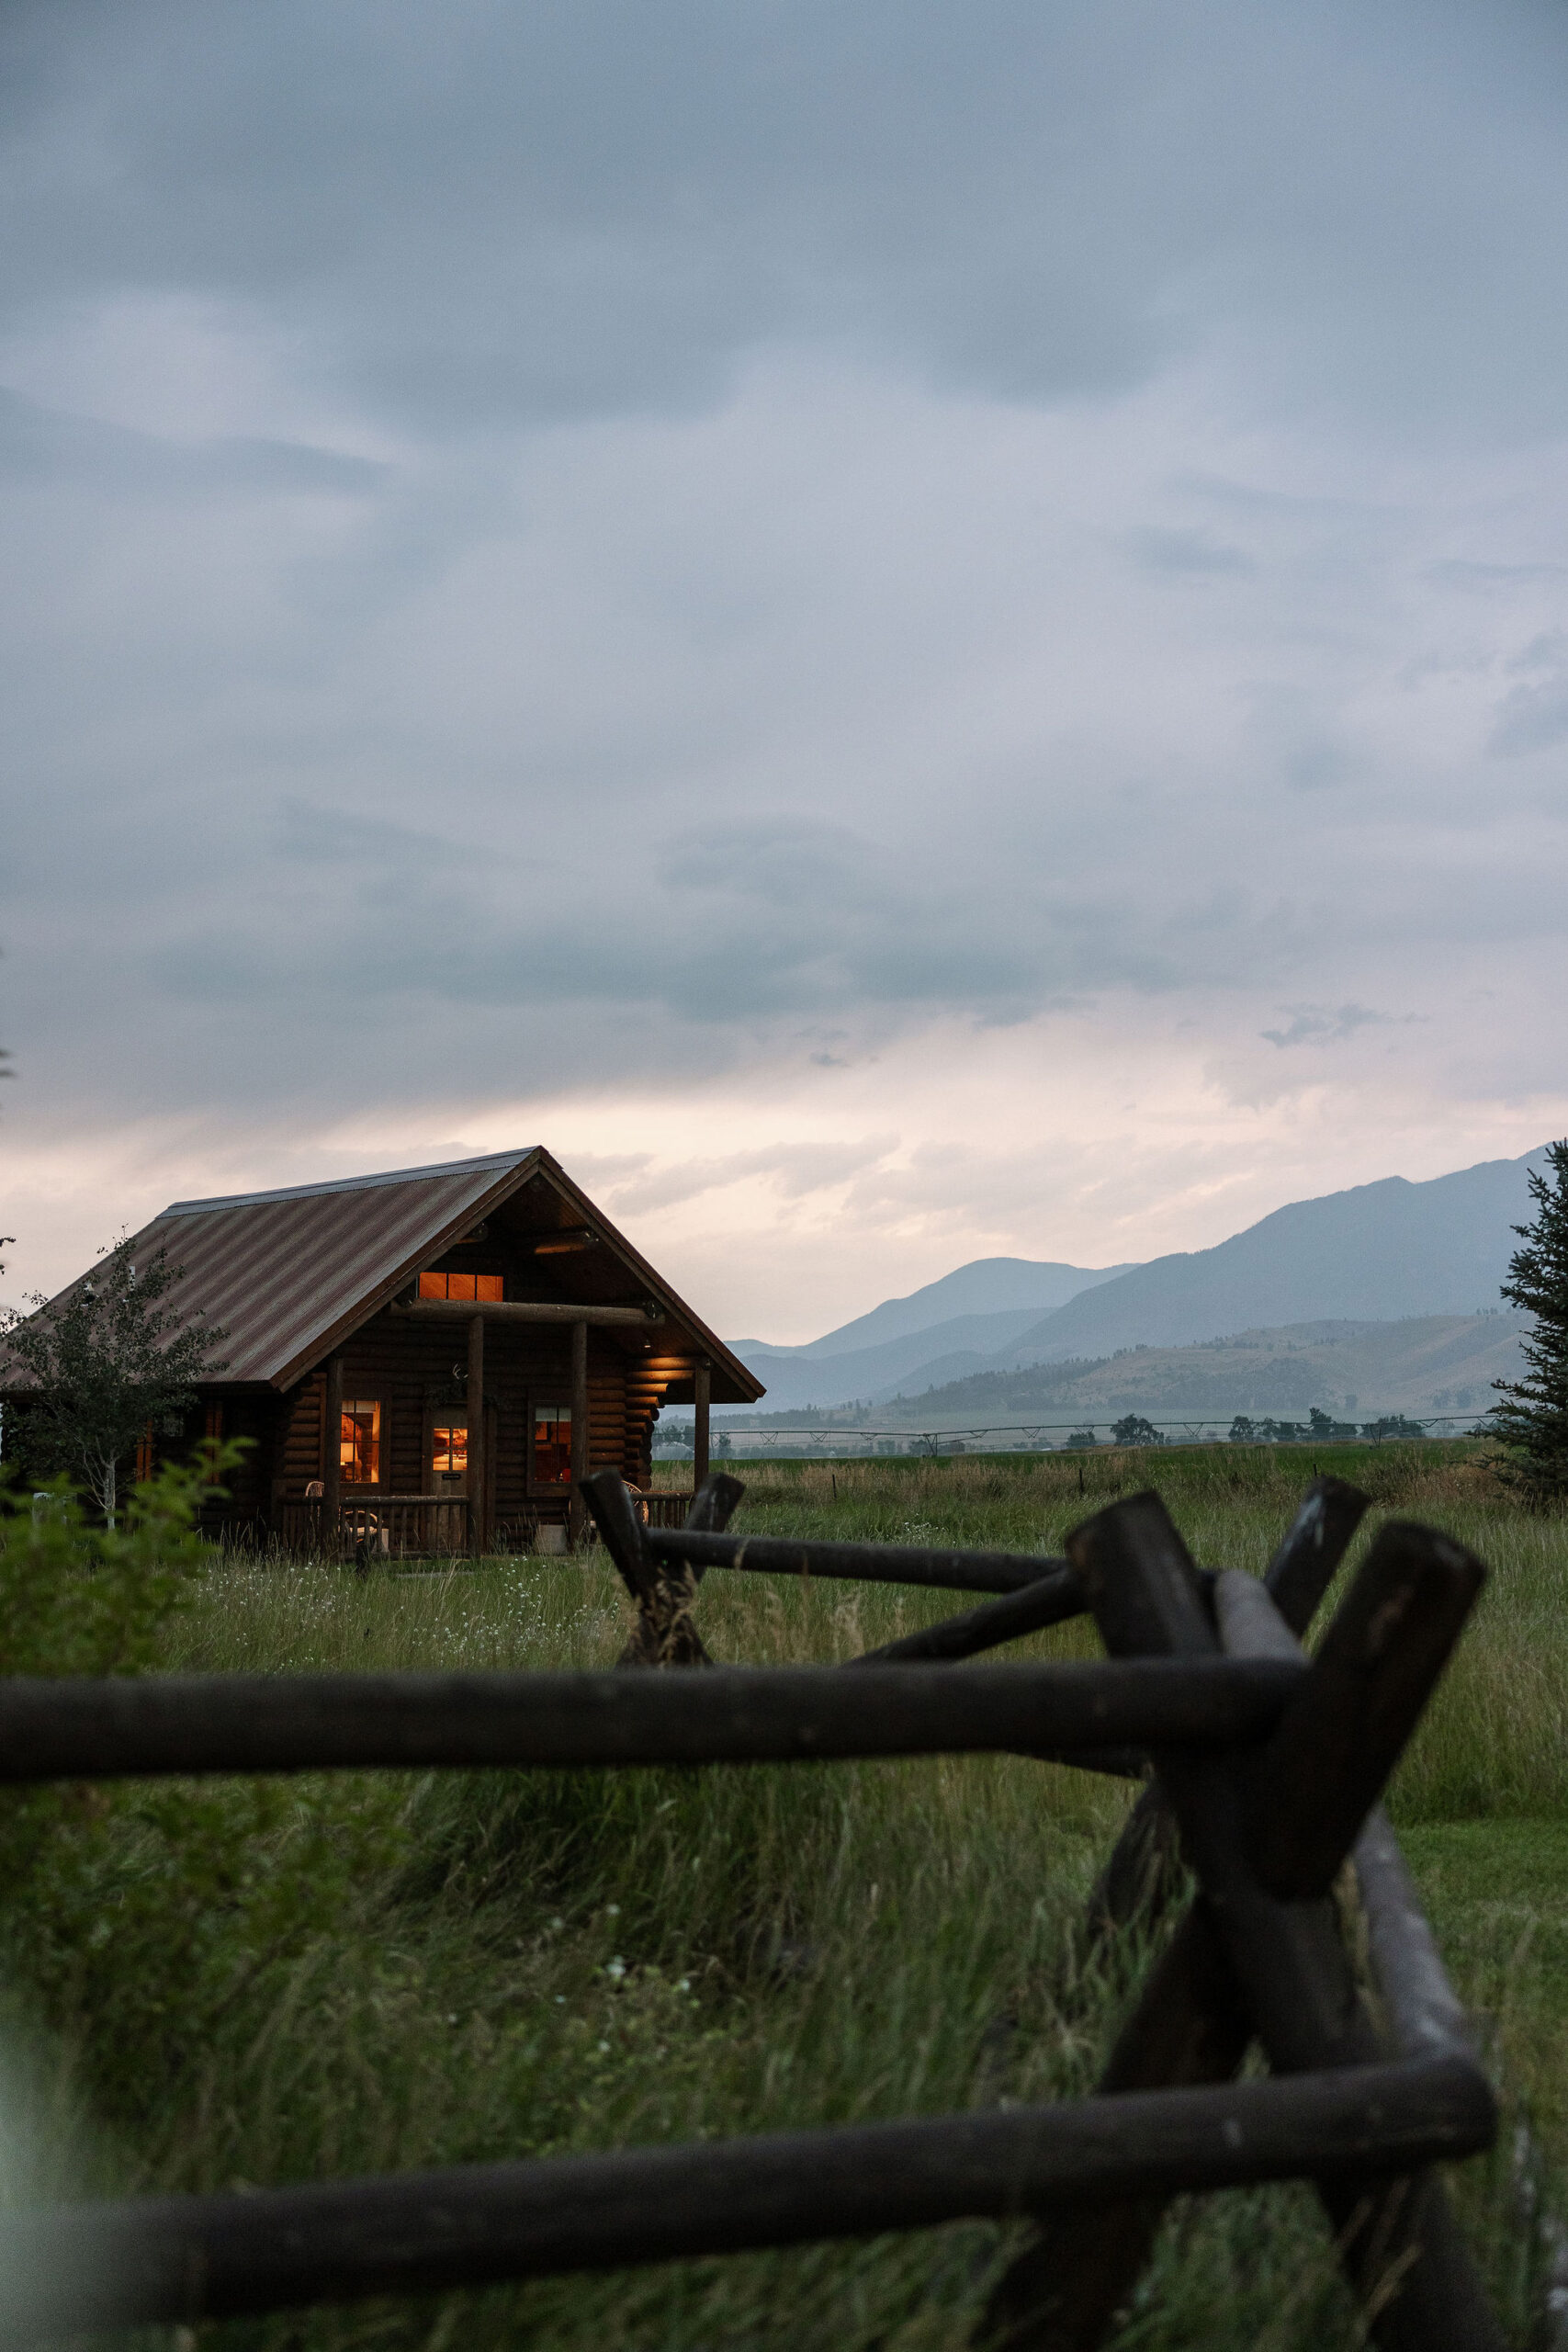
[(1263, 1774)]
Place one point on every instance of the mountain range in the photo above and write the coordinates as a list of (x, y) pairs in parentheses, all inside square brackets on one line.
[(1382, 1251)]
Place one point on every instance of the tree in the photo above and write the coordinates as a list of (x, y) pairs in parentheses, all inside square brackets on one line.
[(109, 1360), (1133, 1430), (1532, 1420), (1243, 1431)]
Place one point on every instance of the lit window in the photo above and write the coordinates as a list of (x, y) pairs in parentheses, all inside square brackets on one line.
[(359, 1447), (552, 1445), (214, 1429), (466, 1286), (146, 1456), (449, 1450)]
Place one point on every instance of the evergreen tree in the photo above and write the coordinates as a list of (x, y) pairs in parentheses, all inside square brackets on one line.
[(107, 1361), (1532, 1419)]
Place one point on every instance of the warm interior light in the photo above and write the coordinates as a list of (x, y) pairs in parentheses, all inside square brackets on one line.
[(552, 1445), (477, 1287), (359, 1443), (559, 1248), (449, 1450)]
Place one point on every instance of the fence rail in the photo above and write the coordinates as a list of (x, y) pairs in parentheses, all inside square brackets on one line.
[(1267, 1766)]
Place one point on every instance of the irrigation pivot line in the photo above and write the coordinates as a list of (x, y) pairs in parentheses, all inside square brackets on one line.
[(1268, 1767)]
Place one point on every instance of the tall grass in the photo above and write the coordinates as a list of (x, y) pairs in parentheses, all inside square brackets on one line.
[(535, 1961)]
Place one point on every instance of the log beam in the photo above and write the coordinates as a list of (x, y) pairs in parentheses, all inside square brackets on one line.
[(528, 1310), (702, 1391), (479, 1529), (332, 1453), (577, 1509)]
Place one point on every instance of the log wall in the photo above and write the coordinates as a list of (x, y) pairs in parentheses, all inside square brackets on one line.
[(417, 1370)]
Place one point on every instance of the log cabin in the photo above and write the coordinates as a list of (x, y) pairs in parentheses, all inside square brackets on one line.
[(432, 1359)]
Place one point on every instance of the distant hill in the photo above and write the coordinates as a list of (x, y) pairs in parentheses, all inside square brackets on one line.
[(956, 1323), (1427, 1365), (1377, 1252)]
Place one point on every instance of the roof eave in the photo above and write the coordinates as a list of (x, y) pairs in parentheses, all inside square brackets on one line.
[(733, 1369), (325, 1343)]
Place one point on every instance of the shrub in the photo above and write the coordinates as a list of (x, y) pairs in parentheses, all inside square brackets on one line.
[(141, 1911)]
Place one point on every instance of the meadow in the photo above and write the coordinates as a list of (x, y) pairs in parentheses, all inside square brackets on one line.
[(242, 1982)]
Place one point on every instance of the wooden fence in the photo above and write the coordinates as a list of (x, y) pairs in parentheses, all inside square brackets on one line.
[(1267, 1774)]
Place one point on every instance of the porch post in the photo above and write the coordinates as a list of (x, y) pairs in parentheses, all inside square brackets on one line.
[(479, 1527), (331, 1456), (702, 1384), (578, 1511)]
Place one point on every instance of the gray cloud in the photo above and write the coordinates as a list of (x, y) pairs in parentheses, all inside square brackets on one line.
[(554, 210), (1321, 1024), (1186, 552), (1534, 717), (583, 544), (40, 445)]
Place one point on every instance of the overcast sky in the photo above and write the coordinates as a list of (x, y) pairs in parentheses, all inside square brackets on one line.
[(909, 632)]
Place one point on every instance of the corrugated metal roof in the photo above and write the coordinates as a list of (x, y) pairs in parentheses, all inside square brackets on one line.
[(289, 1274), (281, 1271), (496, 1159)]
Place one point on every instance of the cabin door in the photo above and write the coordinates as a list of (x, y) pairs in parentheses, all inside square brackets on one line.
[(446, 1450), (446, 1460)]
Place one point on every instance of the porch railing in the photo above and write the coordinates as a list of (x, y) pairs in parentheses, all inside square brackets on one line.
[(423, 1526), (391, 1527)]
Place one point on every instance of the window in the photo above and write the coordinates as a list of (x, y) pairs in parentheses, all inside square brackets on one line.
[(449, 1450), (552, 1445), (359, 1444), (214, 1429), (146, 1454), (474, 1286)]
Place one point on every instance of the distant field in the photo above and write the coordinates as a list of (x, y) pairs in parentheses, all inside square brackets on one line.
[(443, 1967)]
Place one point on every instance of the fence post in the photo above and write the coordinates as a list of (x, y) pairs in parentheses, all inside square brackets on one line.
[(1145, 1863), (664, 1590), (1284, 1971)]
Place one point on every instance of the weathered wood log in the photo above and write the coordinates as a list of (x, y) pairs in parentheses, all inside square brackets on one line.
[(1050, 1601), (1426, 2014), (862, 1562), (663, 1590), (332, 1457), (529, 1310), (190, 2258), (714, 1505), (1191, 2025), (702, 1402), (1144, 1867), (1398, 2243), (1315, 1545), (476, 1478), (129, 1725), (1368, 1682), (609, 1498), (577, 1518)]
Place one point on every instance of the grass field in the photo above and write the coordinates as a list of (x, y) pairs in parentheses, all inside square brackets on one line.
[(252, 1984)]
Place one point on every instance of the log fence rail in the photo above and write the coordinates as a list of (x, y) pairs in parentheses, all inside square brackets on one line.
[(1263, 1774)]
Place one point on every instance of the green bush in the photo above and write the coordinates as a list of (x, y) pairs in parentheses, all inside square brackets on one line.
[(136, 1912)]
